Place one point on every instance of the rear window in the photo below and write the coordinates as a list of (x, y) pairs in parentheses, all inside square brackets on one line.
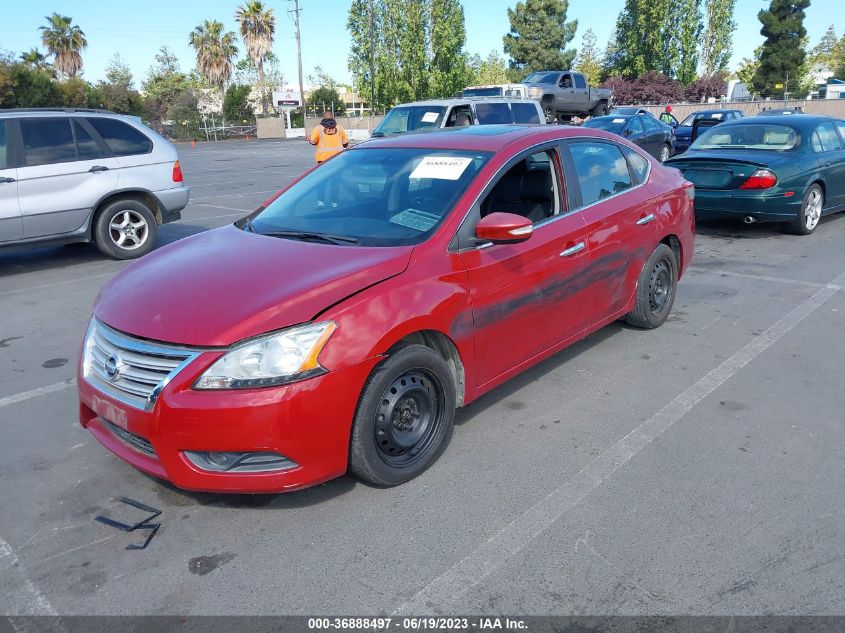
[(3, 152), (47, 141), (492, 113), (749, 136), (495, 91), (122, 139), (525, 113)]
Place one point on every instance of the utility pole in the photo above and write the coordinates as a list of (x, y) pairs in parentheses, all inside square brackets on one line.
[(296, 10), (372, 64)]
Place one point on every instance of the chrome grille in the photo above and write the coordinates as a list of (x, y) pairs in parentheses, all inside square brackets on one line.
[(135, 441), (129, 369)]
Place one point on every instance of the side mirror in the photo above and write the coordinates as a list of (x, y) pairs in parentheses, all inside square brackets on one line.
[(504, 228), (626, 132)]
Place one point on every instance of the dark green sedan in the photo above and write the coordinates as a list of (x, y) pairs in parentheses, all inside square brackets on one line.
[(788, 169)]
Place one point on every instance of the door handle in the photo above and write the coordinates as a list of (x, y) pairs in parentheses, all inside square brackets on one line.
[(3, 179), (827, 164), (645, 219), (97, 168), (580, 246)]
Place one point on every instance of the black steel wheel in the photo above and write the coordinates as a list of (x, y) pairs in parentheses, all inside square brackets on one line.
[(404, 417), (656, 288)]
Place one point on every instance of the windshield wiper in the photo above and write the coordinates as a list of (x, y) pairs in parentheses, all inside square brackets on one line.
[(248, 224), (309, 235)]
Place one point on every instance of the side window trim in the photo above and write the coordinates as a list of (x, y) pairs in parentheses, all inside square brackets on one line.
[(94, 134)]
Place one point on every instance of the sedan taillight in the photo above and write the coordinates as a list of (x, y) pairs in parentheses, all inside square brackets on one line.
[(177, 172), (760, 179)]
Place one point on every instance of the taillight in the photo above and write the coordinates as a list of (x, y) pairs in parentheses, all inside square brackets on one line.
[(177, 172), (760, 179)]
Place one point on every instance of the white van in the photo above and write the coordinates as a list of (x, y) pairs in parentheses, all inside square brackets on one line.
[(442, 113)]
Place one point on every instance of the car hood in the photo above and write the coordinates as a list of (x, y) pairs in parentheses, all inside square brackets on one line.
[(225, 285)]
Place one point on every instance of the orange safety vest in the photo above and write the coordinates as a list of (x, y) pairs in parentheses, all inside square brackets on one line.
[(328, 142)]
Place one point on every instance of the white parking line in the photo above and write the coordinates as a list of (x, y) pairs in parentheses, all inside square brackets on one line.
[(36, 393), (782, 280), (24, 597), (236, 195), (217, 206), (76, 279), (446, 588)]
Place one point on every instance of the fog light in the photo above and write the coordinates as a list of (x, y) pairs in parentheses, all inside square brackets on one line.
[(220, 462)]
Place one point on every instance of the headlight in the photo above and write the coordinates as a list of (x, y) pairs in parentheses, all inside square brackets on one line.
[(534, 92), (274, 359)]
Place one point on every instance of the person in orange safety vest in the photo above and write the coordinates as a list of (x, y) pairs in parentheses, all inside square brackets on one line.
[(329, 137)]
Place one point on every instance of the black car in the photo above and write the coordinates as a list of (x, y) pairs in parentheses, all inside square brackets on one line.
[(683, 133), (625, 110), (780, 111), (657, 138)]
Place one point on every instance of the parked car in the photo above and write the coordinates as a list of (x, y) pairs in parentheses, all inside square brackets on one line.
[(780, 111), (517, 91), (626, 110), (73, 175), (683, 132), (644, 130), (442, 113), (345, 319), (566, 93), (787, 168)]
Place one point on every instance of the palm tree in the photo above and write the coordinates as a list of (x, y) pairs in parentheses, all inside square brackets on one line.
[(64, 41), (258, 27), (215, 52), (35, 59)]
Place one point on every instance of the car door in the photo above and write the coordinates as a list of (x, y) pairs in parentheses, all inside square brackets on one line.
[(63, 173), (635, 132), (619, 214), (11, 225), (581, 92), (526, 297), (565, 93), (831, 161)]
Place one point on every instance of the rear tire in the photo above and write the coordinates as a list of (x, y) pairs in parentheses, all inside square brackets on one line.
[(549, 112), (656, 288), (665, 153), (810, 213), (600, 110), (404, 418), (125, 229)]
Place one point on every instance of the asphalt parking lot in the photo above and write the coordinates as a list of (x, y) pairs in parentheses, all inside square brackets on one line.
[(694, 469)]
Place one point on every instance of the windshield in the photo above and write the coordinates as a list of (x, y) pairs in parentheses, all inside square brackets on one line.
[(695, 116), (482, 92), (373, 197), (401, 120), (608, 123), (749, 136), (542, 78)]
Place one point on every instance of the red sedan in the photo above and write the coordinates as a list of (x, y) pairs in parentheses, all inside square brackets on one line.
[(338, 327)]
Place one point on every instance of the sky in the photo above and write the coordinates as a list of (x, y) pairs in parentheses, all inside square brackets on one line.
[(137, 30)]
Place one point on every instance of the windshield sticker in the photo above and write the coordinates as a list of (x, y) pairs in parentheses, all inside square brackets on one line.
[(415, 219), (618, 120), (430, 117), (441, 167)]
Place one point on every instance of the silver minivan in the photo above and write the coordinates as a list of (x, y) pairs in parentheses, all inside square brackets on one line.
[(445, 113), (72, 175)]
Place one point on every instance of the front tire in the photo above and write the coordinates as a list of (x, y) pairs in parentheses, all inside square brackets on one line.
[(656, 288), (125, 229), (404, 418), (811, 212)]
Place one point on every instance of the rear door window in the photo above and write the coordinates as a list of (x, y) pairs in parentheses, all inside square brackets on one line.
[(601, 170), (122, 138), (492, 113), (635, 125), (638, 164), (47, 141), (824, 138), (840, 125), (525, 113), (86, 146), (579, 81)]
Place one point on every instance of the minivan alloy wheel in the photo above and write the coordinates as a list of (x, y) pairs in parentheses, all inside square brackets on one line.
[(129, 230)]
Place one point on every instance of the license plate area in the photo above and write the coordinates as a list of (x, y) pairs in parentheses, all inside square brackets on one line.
[(709, 178)]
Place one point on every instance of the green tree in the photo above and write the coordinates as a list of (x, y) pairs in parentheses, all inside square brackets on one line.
[(22, 86), (688, 36), (825, 51), (117, 92), (64, 41), (448, 64), (258, 29), (717, 43), (748, 67), (783, 52), (36, 60), (613, 58), (489, 71), (589, 60), (215, 50), (639, 37), (539, 35), (236, 106)]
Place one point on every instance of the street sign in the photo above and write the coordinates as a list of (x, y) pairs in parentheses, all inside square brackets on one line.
[(287, 98)]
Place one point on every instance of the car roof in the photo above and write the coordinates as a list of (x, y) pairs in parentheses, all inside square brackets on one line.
[(714, 111), (54, 112), (459, 100), (805, 121), (489, 138)]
